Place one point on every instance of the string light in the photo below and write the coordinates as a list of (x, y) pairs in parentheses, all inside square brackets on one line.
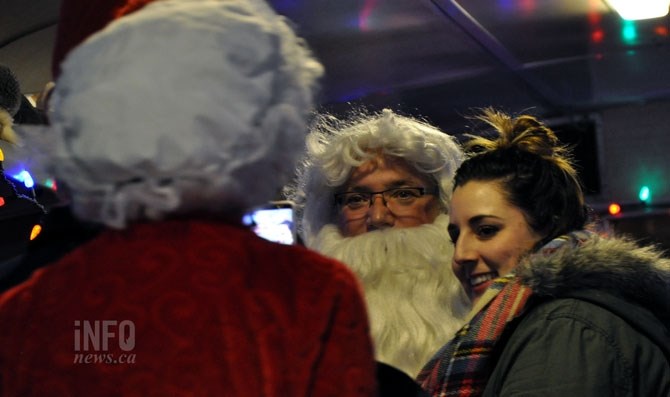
[(645, 194), (614, 209), (51, 184), (37, 229), (25, 177)]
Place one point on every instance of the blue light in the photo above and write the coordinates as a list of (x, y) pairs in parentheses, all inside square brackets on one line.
[(25, 177), (247, 220)]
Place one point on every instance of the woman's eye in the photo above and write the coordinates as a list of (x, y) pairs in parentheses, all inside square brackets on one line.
[(487, 231), (453, 233)]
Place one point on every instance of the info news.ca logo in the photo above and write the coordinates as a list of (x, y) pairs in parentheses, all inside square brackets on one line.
[(93, 339)]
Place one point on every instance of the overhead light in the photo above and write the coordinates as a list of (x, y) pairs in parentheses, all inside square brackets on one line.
[(632, 10)]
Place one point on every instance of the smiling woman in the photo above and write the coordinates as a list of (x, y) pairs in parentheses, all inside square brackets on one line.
[(547, 293), (490, 235)]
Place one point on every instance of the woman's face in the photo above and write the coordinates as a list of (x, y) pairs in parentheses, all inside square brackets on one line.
[(489, 235)]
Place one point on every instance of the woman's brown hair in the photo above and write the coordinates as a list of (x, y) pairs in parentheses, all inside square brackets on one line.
[(534, 169)]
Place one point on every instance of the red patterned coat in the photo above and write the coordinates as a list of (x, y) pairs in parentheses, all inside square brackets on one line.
[(186, 308)]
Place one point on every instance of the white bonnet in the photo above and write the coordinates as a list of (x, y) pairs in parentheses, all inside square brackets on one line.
[(182, 106)]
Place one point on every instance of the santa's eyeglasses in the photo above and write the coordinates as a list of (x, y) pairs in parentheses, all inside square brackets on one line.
[(395, 199)]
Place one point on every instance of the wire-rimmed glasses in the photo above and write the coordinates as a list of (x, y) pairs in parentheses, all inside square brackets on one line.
[(397, 200)]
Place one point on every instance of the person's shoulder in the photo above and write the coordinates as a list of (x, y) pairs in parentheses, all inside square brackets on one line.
[(577, 309), (554, 332), (614, 317), (592, 306)]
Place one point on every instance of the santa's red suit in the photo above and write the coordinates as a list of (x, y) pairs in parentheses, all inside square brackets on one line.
[(186, 308)]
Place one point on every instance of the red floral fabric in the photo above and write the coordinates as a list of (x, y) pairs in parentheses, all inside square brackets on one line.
[(213, 310)]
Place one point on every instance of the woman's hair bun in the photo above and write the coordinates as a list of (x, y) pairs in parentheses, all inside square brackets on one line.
[(525, 133)]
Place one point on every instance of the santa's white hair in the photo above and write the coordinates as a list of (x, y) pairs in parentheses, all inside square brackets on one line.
[(415, 302), (334, 147)]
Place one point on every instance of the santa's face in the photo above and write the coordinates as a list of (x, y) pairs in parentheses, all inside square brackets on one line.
[(402, 197)]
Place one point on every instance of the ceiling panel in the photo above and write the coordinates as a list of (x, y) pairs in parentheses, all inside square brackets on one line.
[(437, 57), (373, 47)]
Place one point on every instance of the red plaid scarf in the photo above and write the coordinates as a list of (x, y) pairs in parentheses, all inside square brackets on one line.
[(463, 366)]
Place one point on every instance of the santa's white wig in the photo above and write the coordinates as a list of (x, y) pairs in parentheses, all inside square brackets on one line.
[(335, 147), (185, 106)]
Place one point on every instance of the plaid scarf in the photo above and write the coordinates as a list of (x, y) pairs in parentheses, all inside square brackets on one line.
[(463, 366)]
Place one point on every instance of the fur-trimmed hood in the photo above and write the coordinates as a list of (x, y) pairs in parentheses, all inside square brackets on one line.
[(639, 274)]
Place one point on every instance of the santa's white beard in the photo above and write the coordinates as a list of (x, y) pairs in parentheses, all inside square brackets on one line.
[(415, 302)]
